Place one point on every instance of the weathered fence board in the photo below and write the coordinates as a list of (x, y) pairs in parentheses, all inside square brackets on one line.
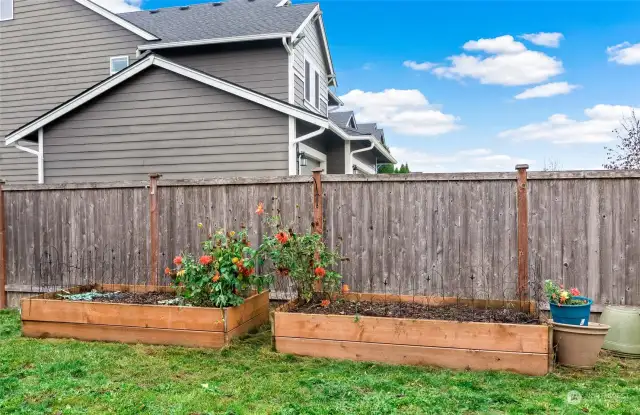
[(419, 234)]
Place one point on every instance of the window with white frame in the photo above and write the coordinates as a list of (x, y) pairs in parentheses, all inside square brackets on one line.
[(311, 84), (117, 63), (6, 10)]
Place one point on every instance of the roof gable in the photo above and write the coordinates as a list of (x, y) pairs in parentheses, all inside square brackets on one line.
[(153, 60)]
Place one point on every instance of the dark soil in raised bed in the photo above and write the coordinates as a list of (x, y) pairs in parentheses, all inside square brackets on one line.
[(456, 312), (135, 298)]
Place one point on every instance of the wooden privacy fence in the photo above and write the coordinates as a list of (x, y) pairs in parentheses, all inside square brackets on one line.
[(479, 235)]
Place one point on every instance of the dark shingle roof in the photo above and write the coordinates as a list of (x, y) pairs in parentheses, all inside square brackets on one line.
[(341, 118), (372, 128), (229, 19)]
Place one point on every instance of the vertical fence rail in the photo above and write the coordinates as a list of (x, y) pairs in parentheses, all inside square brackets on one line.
[(3, 251), (153, 226), (523, 233)]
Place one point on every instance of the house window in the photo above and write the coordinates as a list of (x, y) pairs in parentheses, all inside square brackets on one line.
[(117, 63), (6, 9), (311, 85)]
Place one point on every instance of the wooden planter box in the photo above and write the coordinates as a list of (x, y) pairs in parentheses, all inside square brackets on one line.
[(44, 316), (518, 348)]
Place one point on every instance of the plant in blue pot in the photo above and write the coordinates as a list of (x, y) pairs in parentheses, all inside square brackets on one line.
[(567, 306)]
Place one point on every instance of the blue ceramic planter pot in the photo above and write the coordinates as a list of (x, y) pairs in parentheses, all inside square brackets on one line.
[(578, 315)]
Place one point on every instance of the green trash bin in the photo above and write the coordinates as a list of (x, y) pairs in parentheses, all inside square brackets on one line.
[(623, 338)]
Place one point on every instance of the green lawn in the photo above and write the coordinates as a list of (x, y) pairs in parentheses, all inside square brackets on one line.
[(71, 377)]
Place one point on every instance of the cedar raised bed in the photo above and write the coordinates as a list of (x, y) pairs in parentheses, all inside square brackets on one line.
[(521, 348), (45, 316)]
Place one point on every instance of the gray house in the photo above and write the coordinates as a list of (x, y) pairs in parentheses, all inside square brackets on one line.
[(233, 88)]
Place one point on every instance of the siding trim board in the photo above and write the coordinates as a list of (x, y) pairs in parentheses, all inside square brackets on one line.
[(117, 20), (146, 62)]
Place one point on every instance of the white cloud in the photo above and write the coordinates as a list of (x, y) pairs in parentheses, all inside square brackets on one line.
[(500, 44), (551, 40), (601, 120), (367, 66), (424, 66), (508, 63), (480, 159), (403, 111), (624, 53), (547, 90), (120, 6)]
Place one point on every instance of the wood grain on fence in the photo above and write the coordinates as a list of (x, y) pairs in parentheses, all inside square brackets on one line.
[(422, 234)]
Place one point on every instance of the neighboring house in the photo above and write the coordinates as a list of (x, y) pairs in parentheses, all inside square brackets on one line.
[(234, 88)]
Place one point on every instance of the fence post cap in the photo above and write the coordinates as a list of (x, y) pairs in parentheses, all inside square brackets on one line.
[(522, 166), (154, 175), (317, 170)]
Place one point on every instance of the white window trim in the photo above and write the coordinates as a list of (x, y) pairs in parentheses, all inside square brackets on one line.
[(313, 70), (314, 154), (113, 58), (3, 19), (362, 166)]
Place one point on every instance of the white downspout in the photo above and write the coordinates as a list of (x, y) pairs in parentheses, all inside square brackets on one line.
[(40, 156), (39, 153), (373, 144), (294, 144), (310, 135)]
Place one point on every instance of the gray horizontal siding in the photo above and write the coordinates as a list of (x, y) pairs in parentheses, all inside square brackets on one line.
[(298, 86), (51, 51), (16, 166), (263, 69), (214, 134), (311, 47)]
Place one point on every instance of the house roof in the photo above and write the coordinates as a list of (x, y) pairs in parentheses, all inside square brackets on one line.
[(226, 19), (132, 27), (150, 59), (372, 128), (341, 117)]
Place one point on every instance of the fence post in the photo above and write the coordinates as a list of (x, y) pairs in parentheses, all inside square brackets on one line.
[(3, 252), (153, 226), (523, 232), (318, 221)]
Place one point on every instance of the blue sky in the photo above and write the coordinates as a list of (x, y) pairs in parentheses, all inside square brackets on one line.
[(446, 98)]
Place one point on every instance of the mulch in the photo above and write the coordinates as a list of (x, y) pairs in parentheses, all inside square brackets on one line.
[(456, 312), (135, 298)]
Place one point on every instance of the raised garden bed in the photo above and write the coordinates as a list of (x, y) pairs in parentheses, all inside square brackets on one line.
[(487, 345), (49, 316)]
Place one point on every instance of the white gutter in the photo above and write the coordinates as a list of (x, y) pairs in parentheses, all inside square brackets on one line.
[(200, 42), (286, 45), (343, 134)]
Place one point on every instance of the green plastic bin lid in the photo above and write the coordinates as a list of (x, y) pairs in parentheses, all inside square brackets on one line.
[(624, 335)]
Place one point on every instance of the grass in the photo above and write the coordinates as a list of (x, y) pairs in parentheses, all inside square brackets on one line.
[(71, 377)]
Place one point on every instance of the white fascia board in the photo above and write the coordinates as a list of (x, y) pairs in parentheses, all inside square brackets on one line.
[(332, 73), (364, 167), (343, 134), (241, 92), (336, 98), (112, 81), (117, 20), (305, 22), (283, 3), (144, 63), (219, 40)]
